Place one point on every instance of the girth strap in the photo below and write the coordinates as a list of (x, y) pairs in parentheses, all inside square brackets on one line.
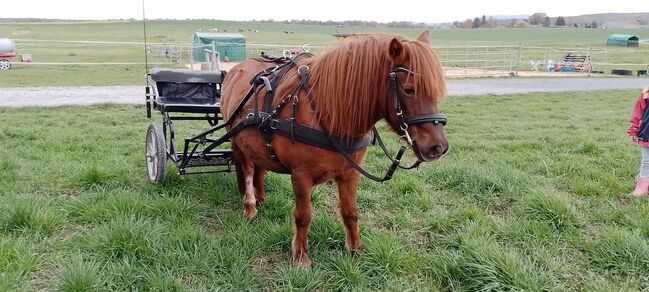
[(314, 137)]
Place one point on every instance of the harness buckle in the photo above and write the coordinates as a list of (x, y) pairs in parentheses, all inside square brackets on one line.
[(273, 124), (406, 137), (303, 69), (287, 54)]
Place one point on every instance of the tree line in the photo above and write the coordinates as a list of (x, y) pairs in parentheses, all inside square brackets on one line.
[(478, 22), (399, 24), (535, 19)]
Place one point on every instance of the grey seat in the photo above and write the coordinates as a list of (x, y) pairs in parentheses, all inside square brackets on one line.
[(186, 76), (182, 90)]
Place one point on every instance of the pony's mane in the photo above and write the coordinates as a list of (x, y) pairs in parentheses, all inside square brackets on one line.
[(349, 83)]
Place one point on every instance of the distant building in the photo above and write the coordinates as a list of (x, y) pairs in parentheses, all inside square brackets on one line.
[(229, 45), (623, 40)]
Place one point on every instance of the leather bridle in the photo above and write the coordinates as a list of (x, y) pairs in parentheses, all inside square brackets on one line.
[(405, 122)]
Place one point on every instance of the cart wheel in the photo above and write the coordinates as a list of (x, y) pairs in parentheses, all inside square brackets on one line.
[(5, 64), (156, 154)]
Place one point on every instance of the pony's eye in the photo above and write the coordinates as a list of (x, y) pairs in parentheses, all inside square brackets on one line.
[(409, 91)]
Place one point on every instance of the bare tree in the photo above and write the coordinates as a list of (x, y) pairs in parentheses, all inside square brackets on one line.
[(476, 22), (513, 22), (537, 18), (546, 22), (467, 23)]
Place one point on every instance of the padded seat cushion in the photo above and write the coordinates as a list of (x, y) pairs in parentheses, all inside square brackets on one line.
[(187, 90), (189, 105)]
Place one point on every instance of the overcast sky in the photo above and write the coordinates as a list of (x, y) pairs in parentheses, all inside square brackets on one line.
[(369, 10)]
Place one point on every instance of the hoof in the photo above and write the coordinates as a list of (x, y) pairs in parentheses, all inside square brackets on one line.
[(353, 248), (250, 213), (302, 261), (260, 201)]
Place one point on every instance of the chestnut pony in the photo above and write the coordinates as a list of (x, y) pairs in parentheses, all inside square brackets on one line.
[(348, 93)]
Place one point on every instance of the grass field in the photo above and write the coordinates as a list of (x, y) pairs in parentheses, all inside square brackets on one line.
[(167, 32), (533, 196)]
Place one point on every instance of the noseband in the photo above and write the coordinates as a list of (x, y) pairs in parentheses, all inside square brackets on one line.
[(404, 122)]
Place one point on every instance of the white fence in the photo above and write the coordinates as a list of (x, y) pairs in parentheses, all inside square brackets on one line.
[(480, 60), (459, 61)]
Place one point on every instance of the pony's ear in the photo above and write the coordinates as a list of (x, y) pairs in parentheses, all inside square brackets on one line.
[(424, 37), (395, 51)]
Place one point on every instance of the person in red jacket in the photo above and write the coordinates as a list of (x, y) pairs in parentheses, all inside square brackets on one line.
[(639, 132)]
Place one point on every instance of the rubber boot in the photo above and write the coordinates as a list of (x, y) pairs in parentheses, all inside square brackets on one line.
[(641, 186)]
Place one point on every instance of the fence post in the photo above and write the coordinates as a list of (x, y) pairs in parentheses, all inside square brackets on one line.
[(547, 57), (504, 66), (484, 72), (590, 63), (466, 60), (605, 59), (214, 63), (518, 61)]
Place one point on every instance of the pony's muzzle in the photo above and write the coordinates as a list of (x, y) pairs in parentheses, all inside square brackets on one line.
[(437, 151)]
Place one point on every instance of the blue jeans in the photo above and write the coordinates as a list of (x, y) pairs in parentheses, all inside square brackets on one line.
[(644, 163)]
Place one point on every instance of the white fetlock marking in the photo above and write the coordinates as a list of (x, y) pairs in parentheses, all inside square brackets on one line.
[(249, 198)]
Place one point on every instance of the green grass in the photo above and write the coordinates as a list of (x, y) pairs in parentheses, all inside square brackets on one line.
[(539, 44), (533, 196)]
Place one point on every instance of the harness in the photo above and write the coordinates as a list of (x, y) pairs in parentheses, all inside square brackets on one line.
[(268, 122)]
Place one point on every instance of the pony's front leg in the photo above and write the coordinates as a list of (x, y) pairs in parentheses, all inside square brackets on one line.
[(348, 209), (302, 187), (249, 200), (258, 183)]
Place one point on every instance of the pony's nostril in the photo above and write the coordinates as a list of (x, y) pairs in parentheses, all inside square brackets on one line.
[(437, 150)]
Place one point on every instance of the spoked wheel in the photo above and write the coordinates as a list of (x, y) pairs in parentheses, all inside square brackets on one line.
[(156, 154), (5, 64)]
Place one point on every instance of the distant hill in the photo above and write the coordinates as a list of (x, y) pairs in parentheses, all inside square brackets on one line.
[(38, 20), (612, 20)]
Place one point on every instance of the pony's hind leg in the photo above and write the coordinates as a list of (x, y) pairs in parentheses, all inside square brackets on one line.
[(348, 210), (249, 200), (241, 181), (258, 183), (302, 187)]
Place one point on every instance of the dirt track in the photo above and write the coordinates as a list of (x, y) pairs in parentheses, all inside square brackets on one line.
[(87, 95)]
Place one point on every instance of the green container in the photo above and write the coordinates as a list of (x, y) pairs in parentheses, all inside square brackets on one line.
[(232, 45), (623, 40)]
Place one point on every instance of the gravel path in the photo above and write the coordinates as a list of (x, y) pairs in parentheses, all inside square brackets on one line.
[(87, 95), (526, 85)]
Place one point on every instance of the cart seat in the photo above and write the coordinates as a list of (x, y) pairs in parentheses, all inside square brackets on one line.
[(188, 105), (182, 90), (186, 76)]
